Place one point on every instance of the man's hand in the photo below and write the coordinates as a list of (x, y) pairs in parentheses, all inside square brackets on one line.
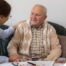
[(14, 58), (26, 58), (17, 58)]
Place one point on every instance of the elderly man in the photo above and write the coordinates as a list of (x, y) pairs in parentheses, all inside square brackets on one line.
[(35, 39)]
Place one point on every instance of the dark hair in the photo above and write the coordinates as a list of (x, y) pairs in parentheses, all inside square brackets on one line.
[(2, 0), (5, 8)]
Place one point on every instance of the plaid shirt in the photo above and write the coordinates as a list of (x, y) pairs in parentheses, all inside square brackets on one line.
[(37, 47)]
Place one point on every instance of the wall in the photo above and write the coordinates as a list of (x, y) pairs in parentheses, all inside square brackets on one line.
[(21, 10)]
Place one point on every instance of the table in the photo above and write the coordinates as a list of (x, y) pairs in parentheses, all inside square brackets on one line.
[(59, 62), (34, 63)]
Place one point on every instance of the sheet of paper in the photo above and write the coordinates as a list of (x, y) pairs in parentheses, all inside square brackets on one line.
[(30, 63)]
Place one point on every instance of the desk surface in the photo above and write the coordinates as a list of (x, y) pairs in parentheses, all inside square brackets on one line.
[(34, 63), (59, 62)]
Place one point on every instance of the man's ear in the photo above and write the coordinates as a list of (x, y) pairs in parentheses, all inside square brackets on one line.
[(45, 17), (1, 17)]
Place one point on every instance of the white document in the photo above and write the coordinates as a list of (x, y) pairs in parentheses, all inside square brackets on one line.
[(6, 64), (37, 63), (31, 63)]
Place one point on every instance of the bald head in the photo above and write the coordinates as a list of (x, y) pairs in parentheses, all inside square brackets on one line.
[(40, 8)]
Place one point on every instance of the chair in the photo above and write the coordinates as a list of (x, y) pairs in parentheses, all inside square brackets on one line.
[(61, 31)]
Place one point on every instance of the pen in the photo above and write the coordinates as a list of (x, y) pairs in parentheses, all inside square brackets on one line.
[(32, 63), (14, 64)]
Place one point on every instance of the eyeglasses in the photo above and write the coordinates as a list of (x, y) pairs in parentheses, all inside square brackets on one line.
[(10, 16)]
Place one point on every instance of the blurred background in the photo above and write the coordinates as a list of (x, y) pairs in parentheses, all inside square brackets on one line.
[(21, 10)]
